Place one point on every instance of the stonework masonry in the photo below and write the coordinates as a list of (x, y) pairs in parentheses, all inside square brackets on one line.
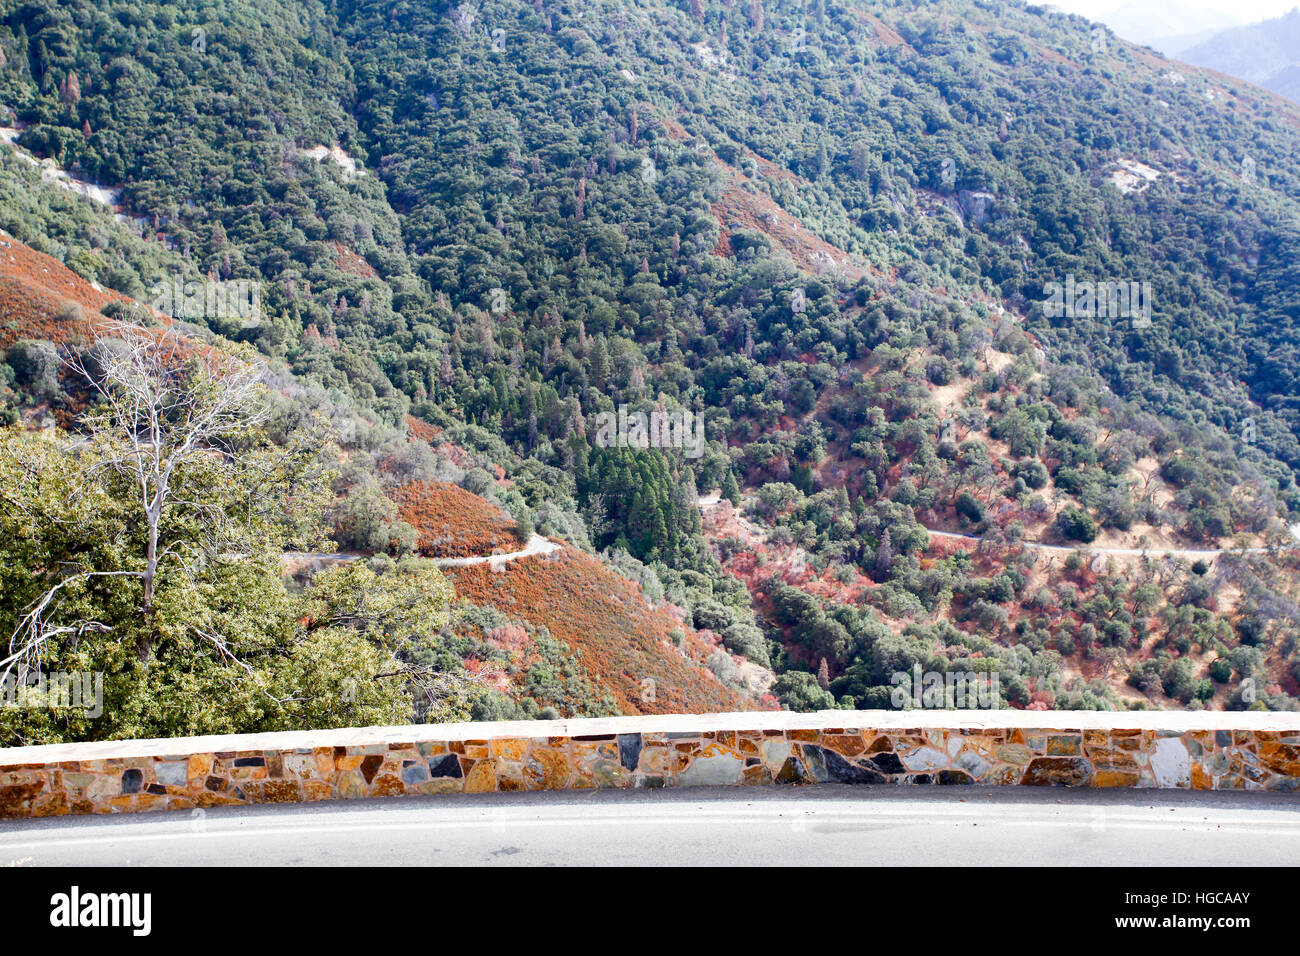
[(1193, 750)]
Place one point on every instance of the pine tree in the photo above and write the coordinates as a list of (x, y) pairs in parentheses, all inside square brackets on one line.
[(599, 365), (858, 160), (884, 555), (730, 488), (70, 90)]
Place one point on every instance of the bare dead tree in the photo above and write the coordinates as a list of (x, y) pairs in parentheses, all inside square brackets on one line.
[(165, 403), (170, 403)]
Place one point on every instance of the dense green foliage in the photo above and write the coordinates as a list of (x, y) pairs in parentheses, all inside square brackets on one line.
[(532, 242), (224, 647)]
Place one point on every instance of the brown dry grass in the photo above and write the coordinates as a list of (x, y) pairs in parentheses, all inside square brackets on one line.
[(624, 644), (455, 523)]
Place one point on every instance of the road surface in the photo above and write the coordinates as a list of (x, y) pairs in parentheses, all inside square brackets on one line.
[(1192, 554), (536, 545), (823, 826), (706, 502)]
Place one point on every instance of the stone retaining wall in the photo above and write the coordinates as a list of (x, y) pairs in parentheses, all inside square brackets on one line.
[(1206, 751)]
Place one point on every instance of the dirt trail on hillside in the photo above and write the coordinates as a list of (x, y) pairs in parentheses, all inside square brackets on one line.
[(536, 545), (1192, 553), (712, 500)]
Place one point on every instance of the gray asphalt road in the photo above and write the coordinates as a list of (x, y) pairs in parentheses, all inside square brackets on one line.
[(828, 825)]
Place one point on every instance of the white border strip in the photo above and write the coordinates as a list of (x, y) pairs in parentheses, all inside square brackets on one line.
[(1056, 721)]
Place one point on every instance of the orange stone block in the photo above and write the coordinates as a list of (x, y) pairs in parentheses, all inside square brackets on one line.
[(658, 761), (846, 745), (199, 767), (132, 803), (313, 790), (52, 805), (510, 748), (1280, 758), (352, 786), (546, 769), (1003, 776), (438, 786), (1063, 745), (209, 799), (585, 750), (281, 791), (1115, 778), (483, 778), (387, 785), (1113, 760)]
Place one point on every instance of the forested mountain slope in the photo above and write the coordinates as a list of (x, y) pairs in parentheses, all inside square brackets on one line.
[(831, 228)]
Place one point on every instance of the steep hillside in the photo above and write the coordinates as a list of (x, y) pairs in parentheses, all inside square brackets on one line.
[(41, 298), (649, 660), (453, 523), (573, 648), (922, 273)]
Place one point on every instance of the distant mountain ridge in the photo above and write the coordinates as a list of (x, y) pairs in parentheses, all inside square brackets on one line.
[(1267, 54), (1167, 27)]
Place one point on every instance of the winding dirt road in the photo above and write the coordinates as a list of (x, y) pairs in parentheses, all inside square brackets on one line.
[(1193, 554), (1189, 553), (536, 545)]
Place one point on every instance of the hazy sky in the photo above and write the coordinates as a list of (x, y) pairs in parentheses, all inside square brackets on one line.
[(1247, 11)]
